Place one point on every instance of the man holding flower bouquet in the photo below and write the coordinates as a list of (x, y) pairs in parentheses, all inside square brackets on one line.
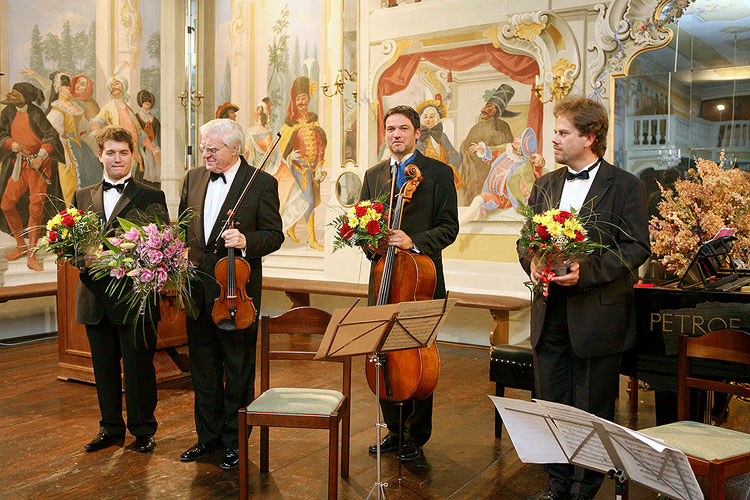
[(586, 317), (116, 331), (429, 224)]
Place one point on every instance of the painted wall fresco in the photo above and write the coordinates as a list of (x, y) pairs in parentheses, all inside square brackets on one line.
[(291, 106), (51, 115), (478, 115)]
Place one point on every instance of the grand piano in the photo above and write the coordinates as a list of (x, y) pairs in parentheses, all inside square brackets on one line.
[(711, 295)]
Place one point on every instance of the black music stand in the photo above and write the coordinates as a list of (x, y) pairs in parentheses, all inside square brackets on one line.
[(704, 268), (377, 329)]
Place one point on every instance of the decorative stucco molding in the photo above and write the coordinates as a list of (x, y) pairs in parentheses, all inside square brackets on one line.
[(623, 30), (388, 52), (236, 27), (130, 19), (546, 37)]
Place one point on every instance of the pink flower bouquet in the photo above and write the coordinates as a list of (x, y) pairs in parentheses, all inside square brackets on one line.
[(146, 260)]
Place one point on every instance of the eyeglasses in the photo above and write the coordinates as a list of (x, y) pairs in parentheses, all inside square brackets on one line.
[(211, 151)]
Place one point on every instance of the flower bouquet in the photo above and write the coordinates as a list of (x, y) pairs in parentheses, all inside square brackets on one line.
[(361, 226), (709, 198), (556, 238), (72, 235), (152, 258)]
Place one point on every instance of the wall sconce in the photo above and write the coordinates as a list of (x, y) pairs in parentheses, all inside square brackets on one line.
[(196, 98), (338, 86), (559, 88)]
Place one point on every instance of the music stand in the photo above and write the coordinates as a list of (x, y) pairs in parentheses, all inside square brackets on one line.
[(546, 432), (377, 329)]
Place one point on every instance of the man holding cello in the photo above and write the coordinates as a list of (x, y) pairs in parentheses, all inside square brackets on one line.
[(216, 353), (429, 224)]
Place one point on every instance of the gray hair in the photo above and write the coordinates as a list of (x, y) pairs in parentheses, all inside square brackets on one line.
[(228, 130)]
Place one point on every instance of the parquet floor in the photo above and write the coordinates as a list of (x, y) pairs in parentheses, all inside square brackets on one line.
[(44, 424)]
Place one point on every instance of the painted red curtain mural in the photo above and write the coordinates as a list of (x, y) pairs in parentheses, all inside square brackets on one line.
[(520, 68)]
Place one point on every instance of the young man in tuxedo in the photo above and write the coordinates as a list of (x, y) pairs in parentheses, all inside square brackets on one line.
[(210, 193), (114, 331), (580, 330), (429, 224)]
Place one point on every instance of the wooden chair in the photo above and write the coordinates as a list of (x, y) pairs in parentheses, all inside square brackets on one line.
[(297, 407), (713, 452)]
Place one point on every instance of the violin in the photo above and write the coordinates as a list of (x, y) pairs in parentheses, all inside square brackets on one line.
[(233, 308), (403, 276)]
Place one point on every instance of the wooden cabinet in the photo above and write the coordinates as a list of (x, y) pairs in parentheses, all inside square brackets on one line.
[(74, 354)]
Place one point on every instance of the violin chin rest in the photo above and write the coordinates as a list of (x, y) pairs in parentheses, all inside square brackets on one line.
[(226, 324)]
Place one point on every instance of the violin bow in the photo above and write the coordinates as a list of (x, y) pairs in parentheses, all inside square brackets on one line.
[(241, 198)]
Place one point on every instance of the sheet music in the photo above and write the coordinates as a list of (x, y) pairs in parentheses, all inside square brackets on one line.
[(540, 427), (578, 437), (418, 323), (360, 330), (654, 465), (528, 426)]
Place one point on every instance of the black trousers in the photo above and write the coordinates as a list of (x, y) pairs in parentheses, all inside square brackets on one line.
[(222, 365), (417, 424), (135, 346), (590, 384)]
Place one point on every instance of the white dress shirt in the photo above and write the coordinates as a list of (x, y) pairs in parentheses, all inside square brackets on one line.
[(110, 196), (215, 195), (575, 190)]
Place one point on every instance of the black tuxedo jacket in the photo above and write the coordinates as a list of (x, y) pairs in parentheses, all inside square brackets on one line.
[(257, 219), (601, 307), (430, 218), (138, 203)]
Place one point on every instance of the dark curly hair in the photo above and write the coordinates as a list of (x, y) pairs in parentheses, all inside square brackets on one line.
[(588, 117), (407, 111)]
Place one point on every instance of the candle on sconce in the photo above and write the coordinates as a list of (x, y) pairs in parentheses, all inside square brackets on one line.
[(536, 81)]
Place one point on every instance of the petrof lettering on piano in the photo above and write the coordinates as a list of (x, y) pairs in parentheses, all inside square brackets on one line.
[(690, 324)]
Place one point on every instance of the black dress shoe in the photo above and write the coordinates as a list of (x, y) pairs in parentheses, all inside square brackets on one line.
[(579, 497), (103, 440), (550, 494), (389, 443), (144, 444), (197, 451), (410, 451), (231, 459)]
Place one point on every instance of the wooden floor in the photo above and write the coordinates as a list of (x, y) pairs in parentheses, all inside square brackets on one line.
[(45, 423)]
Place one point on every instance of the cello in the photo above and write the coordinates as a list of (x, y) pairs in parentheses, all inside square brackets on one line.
[(403, 276), (233, 309)]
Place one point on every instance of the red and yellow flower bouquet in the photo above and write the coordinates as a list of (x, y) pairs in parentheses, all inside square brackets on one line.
[(361, 226), (556, 239)]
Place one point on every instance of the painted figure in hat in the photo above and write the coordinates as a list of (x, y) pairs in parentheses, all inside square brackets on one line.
[(28, 147), (258, 139), (82, 90), (513, 169), (303, 145), (227, 110), (491, 130), (433, 142), (149, 123), (82, 167), (146, 157)]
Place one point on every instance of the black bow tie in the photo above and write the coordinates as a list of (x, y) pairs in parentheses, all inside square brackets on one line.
[(119, 187), (583, 174), (435, 132), (214, 176)]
